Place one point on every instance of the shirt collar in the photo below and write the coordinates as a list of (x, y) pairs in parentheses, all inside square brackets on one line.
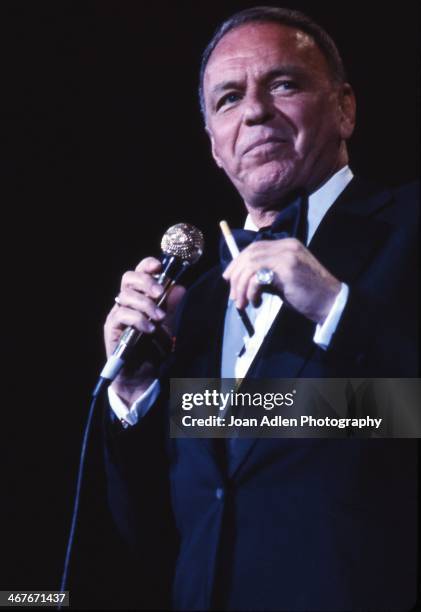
[(319, 201)]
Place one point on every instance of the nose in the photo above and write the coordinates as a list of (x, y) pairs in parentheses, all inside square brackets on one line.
[(258, 107)]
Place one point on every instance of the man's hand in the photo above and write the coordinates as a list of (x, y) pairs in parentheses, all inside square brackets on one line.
[(299, 278), (138, 296)]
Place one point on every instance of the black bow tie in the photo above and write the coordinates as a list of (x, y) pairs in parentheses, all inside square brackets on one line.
[(290, 222)]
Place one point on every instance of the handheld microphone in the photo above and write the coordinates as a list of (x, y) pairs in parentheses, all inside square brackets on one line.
[(182, 245)]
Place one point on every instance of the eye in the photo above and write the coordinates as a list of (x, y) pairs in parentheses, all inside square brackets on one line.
[(228, 99), (284, 85)]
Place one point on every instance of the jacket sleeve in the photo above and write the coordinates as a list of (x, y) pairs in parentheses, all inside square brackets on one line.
[(378, 331), (138, 490)]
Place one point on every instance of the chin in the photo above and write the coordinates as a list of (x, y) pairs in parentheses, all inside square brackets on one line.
[(269, 182)]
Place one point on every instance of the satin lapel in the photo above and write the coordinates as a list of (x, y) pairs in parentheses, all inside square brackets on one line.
[(344, 242), (213, 328)]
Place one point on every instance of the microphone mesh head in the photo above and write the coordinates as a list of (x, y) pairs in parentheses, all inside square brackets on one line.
[(184, 241)]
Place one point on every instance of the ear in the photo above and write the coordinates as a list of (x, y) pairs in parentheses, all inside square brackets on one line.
[(347, 110), (213, 148)]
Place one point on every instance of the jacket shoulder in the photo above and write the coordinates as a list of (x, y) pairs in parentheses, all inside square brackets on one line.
[(408, 194), (404, 206)]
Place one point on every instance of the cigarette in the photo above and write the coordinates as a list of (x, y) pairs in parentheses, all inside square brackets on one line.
[(229, 239)]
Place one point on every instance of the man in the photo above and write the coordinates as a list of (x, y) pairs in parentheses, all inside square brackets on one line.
[(281, 524)]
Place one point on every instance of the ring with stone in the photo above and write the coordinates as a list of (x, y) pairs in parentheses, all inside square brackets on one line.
[(117, 301), (265, 276)]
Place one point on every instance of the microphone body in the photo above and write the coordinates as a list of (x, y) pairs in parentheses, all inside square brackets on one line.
[(182, 246)]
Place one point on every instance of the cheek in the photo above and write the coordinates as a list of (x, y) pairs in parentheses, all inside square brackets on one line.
[(314, 135), (309, 116), (225, 133)]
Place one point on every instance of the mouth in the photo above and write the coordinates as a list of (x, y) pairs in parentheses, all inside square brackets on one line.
[(264, 145)]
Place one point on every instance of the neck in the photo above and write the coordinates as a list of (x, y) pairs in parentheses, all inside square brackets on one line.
[(262, 218), (265, 212)]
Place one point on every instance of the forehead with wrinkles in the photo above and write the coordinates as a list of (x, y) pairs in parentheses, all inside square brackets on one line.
[(260, 46)]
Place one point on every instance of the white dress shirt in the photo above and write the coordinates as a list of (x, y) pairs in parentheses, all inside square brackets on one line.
[(238, 349)]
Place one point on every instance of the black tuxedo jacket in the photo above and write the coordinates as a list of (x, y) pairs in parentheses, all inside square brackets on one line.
[(317, 524)]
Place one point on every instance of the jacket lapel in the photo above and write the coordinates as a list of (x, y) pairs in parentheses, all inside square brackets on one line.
[(205, 344)]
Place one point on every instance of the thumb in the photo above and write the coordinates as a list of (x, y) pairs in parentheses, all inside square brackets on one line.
[(174, 298)]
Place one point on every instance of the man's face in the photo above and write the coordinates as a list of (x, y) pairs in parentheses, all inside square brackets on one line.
[(276, 120)]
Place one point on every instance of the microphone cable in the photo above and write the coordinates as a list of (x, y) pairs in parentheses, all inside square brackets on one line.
[(76, 504)]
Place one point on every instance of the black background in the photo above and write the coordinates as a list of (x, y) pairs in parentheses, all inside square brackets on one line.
[(102, 149)]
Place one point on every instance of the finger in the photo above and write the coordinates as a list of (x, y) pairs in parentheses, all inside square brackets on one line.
[(130, 298), (254, 254), (127, 317), (228, 270), (150, 265), (233, 266), (254, 292), (233, 272), (239, 289), (141, 282)]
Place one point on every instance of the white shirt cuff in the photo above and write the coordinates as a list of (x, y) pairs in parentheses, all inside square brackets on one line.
[(324, 333), (138, 409)]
